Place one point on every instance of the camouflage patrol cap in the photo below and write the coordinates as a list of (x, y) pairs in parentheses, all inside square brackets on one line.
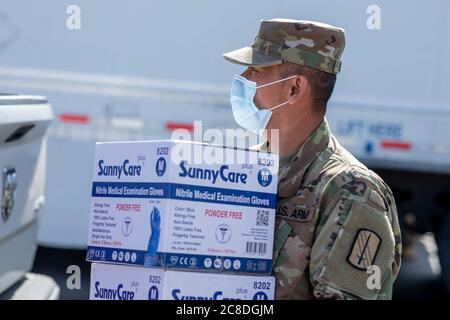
[(313, 44)]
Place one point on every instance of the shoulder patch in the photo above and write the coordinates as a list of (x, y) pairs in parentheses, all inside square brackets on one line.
[(354, 238), (364, 249)]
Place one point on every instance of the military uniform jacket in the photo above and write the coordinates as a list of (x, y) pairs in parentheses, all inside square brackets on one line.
[(336, 234)]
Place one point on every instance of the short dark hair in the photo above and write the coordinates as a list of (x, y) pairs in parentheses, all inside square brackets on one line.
[(322, 83)]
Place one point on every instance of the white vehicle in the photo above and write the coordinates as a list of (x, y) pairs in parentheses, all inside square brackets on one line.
[(139, 70), (23, 125)]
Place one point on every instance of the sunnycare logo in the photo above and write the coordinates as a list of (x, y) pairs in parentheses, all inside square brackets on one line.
[(125, 169), (224, 173), (218, 295), (118, 293)]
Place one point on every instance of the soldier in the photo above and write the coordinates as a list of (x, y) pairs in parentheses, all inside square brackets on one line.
[(337, 234)]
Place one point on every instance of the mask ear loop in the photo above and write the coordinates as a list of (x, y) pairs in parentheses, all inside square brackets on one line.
[(276, 81), (283, 103), (271, 109), (278, 106), (268, 84)]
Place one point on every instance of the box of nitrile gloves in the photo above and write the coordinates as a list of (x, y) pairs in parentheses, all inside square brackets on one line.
[(183, 205), (116, 282)]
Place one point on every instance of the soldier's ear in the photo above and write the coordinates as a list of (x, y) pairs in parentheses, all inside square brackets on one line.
[(298, 89)]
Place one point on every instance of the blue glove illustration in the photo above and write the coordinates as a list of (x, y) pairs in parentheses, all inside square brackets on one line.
[(151, 258)]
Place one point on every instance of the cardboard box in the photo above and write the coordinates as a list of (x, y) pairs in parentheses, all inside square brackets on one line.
[(154, 204), (118, 282)]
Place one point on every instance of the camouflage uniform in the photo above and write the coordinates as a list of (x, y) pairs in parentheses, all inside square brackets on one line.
[(335, 219)]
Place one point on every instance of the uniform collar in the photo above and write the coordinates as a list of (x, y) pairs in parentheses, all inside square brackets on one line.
[(291, 174)]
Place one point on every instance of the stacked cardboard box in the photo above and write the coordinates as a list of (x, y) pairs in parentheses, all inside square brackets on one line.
[(185, 220)]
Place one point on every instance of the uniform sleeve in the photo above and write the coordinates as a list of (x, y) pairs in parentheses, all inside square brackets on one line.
[(355, 253)]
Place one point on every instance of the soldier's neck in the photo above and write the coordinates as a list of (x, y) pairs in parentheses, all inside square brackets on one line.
[(293, 136)]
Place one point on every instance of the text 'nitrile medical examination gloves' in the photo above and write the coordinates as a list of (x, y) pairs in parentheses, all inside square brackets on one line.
[(116, 282), (183, 205)]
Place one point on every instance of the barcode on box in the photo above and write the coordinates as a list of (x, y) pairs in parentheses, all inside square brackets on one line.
[(256, 247)]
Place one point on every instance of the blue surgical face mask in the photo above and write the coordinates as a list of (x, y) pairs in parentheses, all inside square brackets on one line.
[(245, 112)]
